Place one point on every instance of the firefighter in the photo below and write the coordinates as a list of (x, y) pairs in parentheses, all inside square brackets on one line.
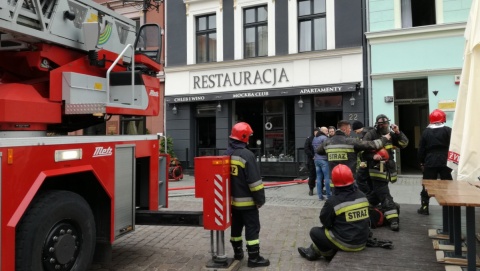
[(433, 153), (248, 195), (343, 149), (345, 219), (381, 171)]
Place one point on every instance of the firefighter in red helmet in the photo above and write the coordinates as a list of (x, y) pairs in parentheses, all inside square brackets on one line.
[(433, 153), (247, 196), (345, 219), (382, 169)]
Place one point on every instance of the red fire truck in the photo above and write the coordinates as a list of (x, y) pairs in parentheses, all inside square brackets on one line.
[(67, 65)]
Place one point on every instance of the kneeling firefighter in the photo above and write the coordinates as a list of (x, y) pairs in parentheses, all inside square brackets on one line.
[(345, 219), (248, 195)]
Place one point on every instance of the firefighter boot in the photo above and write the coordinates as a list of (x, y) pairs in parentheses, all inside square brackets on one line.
[(394, 224), (237, 250), (310, 192), (254, 258), (309, 253), (425, 200)]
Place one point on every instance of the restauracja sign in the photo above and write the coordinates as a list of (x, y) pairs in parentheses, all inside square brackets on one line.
[(267, 76)]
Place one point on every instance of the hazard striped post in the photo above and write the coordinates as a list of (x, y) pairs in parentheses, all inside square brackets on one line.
[(212, 183)]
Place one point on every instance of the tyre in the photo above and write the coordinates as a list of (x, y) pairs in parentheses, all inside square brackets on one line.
[(56, 233)]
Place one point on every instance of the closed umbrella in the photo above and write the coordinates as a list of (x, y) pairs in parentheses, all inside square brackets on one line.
[(464, 151)]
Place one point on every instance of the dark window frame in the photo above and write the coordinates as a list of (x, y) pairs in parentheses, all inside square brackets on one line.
[(254, 25), (207, 32), (311, 17)]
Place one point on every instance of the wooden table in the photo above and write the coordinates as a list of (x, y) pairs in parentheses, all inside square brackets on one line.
[(457, 194)]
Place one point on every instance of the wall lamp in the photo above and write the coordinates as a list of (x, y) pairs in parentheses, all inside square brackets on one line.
[(352, 100), (219, 107), (174, 109), (300, 102)]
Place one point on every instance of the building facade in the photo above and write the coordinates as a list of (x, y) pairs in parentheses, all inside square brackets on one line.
[(282, 66), (416, 55)]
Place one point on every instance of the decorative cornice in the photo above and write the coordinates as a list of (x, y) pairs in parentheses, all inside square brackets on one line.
[(418, 73), (267, 60), (416, 33)]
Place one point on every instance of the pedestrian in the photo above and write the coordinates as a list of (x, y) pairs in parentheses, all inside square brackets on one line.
[(433, 153), (357, 127), (344, 217), (310, 153), (321, 165), (331, 131), (343, 149), (247, 196), (382, 168)]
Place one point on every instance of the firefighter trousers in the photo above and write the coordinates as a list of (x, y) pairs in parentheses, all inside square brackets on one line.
[(381, 194), (320, 239), (250, 219)]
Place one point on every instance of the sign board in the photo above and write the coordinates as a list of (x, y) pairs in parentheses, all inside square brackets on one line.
[(447, 105)]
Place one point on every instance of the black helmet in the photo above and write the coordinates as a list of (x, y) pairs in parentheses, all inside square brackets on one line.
[(381, 119)]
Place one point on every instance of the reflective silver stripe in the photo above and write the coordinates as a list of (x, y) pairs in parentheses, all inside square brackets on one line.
[(391, 212), (255, 184), (348, 203), (242, 199), (338, 146), (378, 143), (238, 158)]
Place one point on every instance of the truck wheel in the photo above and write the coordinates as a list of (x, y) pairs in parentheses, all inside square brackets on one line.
[(56, 233)]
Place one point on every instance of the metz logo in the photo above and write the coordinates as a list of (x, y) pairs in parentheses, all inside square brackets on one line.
[(153, 93), (101, 151), (453, 157)]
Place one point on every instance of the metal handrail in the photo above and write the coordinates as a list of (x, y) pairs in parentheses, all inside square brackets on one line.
[(133, 73)]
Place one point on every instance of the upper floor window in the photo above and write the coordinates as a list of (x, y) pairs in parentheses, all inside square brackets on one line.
[(206, 38), (418, 13), (255, 31), (312, 33)]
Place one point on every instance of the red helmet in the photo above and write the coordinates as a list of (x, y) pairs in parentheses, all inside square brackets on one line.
[(342, 176), (241, 132), (384, 154), (438, 116)]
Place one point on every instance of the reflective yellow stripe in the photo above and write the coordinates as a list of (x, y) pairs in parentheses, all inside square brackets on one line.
[(341, 245), (388, 146), (256, 188), (253, 242), (402, 144), (243, 203), (238, 163), (236, 239), (391, 216), (340, 150), (352, 207)]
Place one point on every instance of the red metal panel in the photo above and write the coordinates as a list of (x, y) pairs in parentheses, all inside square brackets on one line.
[(33, 164), (212, 183)]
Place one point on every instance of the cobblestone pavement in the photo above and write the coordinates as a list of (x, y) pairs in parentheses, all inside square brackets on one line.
[(286, 220)]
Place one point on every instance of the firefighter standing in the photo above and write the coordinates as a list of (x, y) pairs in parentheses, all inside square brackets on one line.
[(381, 171), (248, 195), (344, 218), (433, 153), (342, 149)]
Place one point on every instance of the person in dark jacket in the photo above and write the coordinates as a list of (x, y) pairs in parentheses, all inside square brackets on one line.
[(321, 164), (345, 219), (382, 169), (362, 179), (247, 196), (433, 153), (310, 153)]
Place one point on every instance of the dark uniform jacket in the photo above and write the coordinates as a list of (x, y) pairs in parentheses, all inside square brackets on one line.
[(341, 149), (345, 218), (308, 148), (389, 172), (434, 144), (247, 185)]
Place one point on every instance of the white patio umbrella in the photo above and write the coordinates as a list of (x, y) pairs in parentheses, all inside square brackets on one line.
[(464, 151)]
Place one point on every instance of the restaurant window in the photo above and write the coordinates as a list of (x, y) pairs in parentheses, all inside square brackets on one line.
[(274, 123), (206, 33), (312, 34), (255, 31)]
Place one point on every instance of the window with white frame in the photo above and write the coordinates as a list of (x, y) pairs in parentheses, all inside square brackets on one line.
[(206, 33), (255, 31), (418, 13), (312, 33)]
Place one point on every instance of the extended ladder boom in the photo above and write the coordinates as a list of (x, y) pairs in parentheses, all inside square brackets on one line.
[(24, 22)]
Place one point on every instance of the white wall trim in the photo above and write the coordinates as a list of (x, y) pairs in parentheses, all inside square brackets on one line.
[(292, 27), (416, 74), (397, 14), (439, 11), (330, 21)]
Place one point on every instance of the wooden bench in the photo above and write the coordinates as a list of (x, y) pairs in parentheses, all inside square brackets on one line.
[(456, 194)]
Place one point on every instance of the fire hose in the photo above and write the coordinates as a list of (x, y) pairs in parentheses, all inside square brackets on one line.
[(266, 184)]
